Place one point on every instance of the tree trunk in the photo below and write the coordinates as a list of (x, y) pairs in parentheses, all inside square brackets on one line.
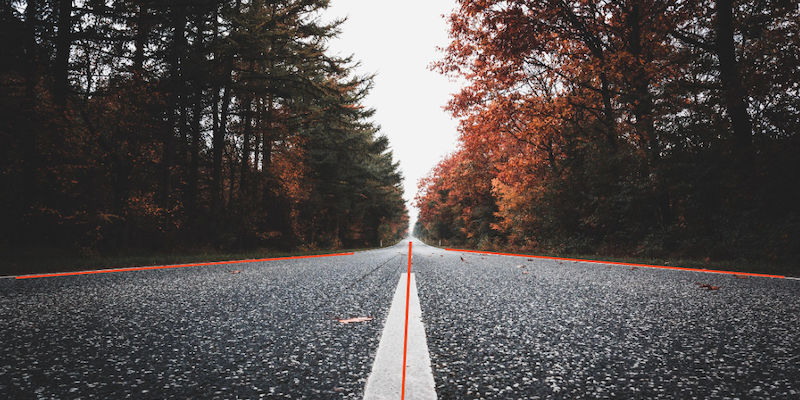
[(266, 157), (733, 92), (176, 82), (192, 192), (142, 27), (219, 124), (247, 130), (642, 101), (63, 48)]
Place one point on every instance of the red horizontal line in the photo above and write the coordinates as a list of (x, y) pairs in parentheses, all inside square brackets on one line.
[(109, 270), (713, 271)]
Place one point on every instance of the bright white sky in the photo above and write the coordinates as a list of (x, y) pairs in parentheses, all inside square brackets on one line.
[(397, 39)]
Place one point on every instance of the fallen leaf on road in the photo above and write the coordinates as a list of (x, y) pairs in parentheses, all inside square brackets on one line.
[(521, 266), (236, 271), (462, 259), (525, 272), (707, 286), (355, 319), (741, 276), (530, 259), (634, 268)]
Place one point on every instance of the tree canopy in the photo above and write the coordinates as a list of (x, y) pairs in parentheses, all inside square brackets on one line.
[(637, 127), (154, 124)]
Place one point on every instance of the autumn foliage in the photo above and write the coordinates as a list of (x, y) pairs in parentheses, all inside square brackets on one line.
[(164, 124), (655, 128)]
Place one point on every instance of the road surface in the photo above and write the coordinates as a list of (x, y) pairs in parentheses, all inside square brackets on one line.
[(492, 329)]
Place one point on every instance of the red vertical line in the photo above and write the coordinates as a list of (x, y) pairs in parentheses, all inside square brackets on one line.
[(405, 335)]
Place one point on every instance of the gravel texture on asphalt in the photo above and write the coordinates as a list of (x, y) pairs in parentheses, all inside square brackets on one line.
[(497, 327), (199, 332), (557, 329)]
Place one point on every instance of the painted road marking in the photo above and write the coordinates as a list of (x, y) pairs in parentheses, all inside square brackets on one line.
[(385, 380), (405, 330), (711, 271), (109, 270)]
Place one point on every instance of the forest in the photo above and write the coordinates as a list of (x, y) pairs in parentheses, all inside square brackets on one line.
[(635, 128), (161, 124)]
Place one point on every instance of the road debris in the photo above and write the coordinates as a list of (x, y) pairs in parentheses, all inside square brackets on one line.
[(354, 320), (707, 286)]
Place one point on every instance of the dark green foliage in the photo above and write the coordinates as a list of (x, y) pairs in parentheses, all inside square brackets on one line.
[(161, 124)]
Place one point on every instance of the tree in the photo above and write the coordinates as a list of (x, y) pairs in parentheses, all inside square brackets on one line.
[(149, 122), (621, 127)]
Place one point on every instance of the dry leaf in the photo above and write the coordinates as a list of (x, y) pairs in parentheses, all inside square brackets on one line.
[(236, 271), (530, 259), (521, 266), (525, 272), (741, 276), (354, 319), (462, 259), (634, 268), (707, 286)]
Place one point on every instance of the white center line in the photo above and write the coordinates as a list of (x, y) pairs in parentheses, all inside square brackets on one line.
[(385, 380)]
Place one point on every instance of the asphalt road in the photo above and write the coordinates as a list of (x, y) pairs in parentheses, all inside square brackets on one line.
[(561, 330)]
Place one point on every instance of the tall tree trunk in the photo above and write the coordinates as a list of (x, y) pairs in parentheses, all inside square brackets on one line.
[(608, 112), (176, 83), (63, 48), (266, 150), (180, 87), (247, 130), (257, 134), (733, 92), (140, 40), (218, 141), (642, 101), (216, 151), (192, 192), (31, 21), (640, 95), (193, 175), (219, 121), (31, 157)]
